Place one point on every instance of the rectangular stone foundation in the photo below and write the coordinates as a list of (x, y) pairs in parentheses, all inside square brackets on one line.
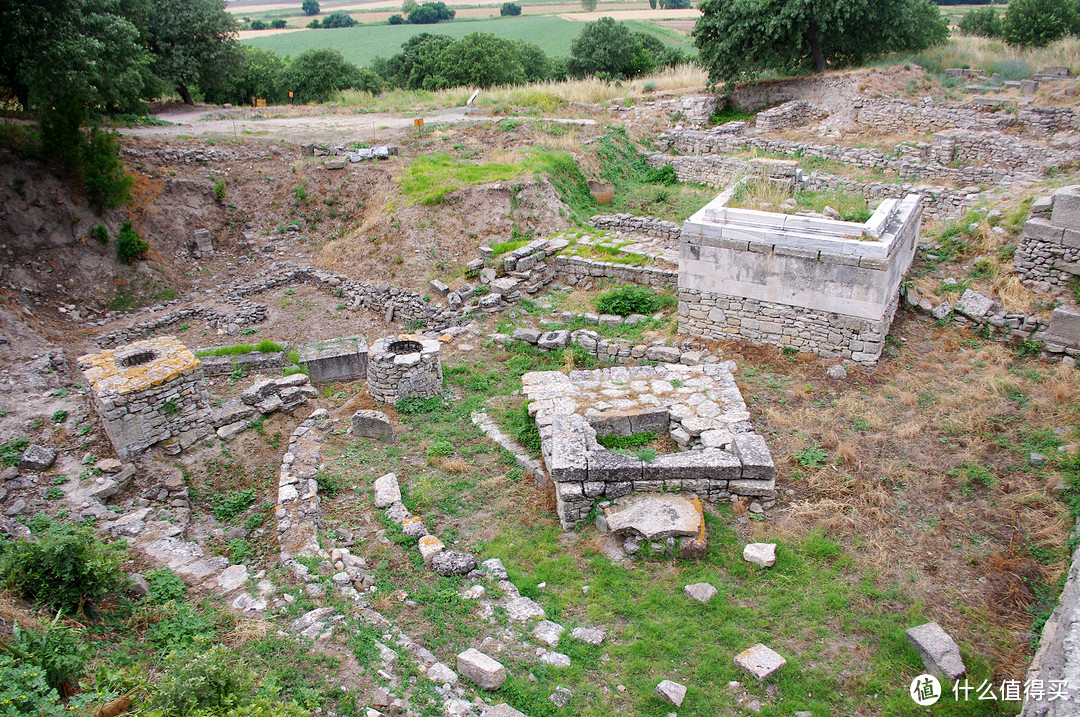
[(148, 392), (818, 285), (343, 359)]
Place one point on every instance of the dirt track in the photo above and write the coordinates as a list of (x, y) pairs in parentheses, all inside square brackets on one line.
[(373, 127)]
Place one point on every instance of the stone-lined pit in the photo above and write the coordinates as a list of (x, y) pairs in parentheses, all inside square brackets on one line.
[(404, 366)]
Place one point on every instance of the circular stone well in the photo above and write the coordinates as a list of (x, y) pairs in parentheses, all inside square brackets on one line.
[(404, 366)]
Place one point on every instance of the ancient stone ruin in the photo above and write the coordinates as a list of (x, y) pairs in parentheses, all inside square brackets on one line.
[(811, 284), (404, 366), (698, 407), (148, 392)]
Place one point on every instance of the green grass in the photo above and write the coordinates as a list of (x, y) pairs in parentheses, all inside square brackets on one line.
[(431, 177), (362, 44), (266, 347)]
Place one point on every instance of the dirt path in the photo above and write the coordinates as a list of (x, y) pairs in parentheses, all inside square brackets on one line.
[(374, 127)]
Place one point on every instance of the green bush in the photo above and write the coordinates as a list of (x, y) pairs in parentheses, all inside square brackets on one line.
[(626, 300), (982, 22), (811, 457), (510, 9), (65, 567), (330, 483), (107, 183), (11, 451), (181, 626), (440, 449), (258, 707), (317, 75), (212, 681), (165, 585), (129, 245), (219, 190), (101, 233)]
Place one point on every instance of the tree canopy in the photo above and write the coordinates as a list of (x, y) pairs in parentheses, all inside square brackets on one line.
[(1037, 23), (193, 43), (738, 39)]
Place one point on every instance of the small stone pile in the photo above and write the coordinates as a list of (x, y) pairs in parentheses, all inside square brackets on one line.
[(274, 395)]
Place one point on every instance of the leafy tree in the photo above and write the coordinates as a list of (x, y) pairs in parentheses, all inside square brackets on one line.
[(588, 5), (418, 60), (1037, 23), (258, 25), (130, 247), (81, 53), (408, 6), (430, 13), (480, 59), (982, 21), (741, 38), (674, 4), (510, 9), (107, 183), (278, 24), (259, 77), (193, 44), (537, 65), (338, 19), (395, 20), (317, 75), (606, 48), (310, 7), (662, 54)]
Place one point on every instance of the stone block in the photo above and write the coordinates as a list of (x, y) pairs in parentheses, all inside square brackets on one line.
[(554, 340), (649, 421), (372, 424), (502, 710), (387, 491), (939, 653), (430, 546), (608, 467), (665, 354), (484, 671), (37, 458), (708, 464), (453, 562), (567, 460), (529, 336), (1066, 211), (654, 517), (548, 632), (671, 692), (753, 453), (1065, 323), (440, 674), (613, 423), (588, 635), (760, 661), (762, 554), (438, 288)]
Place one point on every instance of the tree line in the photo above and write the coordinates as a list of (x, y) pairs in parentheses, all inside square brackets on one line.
[(1026, 23)]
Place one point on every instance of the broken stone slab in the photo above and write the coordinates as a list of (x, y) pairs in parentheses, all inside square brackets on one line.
[(760, 661), (372, 424), (654, 517), (702, 592), (305, 621), (529, 336), (453, 562), (548, 632), (554, 340), (109, 465), (561, 697), (753, 453), (387, 491), (414, 527), (671, 692), (939, 652), (523, 609), (974, 305), (485, 671), (440, 674), (555, 659), (37, 458), (231, 430), (588, 635), (439, 288), (502, 710), (763, 554)]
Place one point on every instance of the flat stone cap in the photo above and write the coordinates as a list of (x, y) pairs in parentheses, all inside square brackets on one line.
[(655, 517), (137, 365), (760, 661)]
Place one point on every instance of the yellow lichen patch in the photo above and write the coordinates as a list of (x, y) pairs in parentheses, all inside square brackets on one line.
[(138, 365)]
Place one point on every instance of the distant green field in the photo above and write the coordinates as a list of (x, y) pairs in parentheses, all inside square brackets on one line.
[(360, 45)]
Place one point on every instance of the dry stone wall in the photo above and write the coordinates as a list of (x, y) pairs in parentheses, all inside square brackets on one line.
[(573, 269), (789, 114), (1048, 254), (632, 224)]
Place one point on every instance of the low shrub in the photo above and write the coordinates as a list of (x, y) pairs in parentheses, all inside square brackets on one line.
[(210, 681), (24, 690), (626, 300), (226, 506), (130, 247), (59, 651), (64, 568), (165, 585)]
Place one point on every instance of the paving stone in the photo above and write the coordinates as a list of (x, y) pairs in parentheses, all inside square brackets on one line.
[(763, 554), (387, 491), (548, 632), (760, 661), (671, 692), (555, 659), (588, 635), (523, 609), (702, 592), (939, 652), (429, 547), (486, 672), (974, 305), (440, 674)]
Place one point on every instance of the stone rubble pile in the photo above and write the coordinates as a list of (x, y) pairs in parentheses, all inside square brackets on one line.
[(263, 398)]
